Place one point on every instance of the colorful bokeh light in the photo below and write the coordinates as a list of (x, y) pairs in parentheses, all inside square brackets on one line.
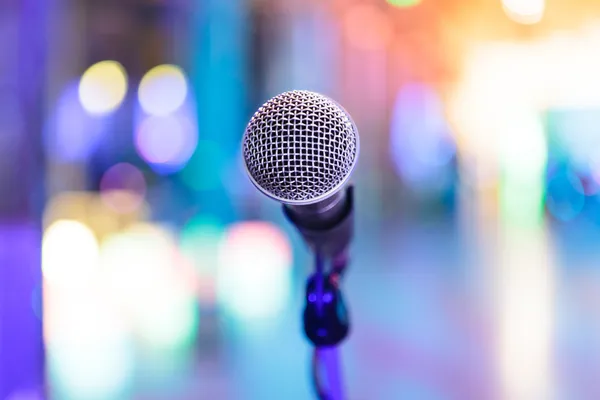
[(199, 242), (565, 198), (404, 3), (70, 254), (205, 167), (145, 275), (71, 133), (103, 87), (166, 142), (163, 90), (524, 11), (368, 27), (254, 270), (421, 144), (123, 188)]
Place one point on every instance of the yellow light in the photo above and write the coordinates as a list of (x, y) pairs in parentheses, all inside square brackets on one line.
[(526, 12), (102, 87), (162, 90), (70, 254)]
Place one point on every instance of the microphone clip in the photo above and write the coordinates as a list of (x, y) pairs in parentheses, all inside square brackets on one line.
[(325, 317)]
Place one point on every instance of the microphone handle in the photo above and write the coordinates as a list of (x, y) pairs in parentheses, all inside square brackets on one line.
[(329, 228)]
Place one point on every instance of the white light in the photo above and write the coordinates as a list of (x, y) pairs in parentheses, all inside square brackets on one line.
[(88, 344), (138, 261), (162, 90), (145, 274), (526, 297), (103, 87), (96, 371), (70, 254), (254, 270), (523, 148), (524, 11)]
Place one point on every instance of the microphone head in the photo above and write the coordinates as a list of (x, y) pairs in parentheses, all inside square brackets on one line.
[(300, 147)]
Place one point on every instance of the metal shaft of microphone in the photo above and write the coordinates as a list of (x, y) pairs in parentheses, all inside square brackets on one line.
[(327, 226)]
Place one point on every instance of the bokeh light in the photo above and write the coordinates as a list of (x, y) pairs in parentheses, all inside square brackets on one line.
[(199, 241), (123, 188), (203, 172), (70, 254), (145, 275), (421, 144), (171, 323), (368, 27), (163, 90), (524, 11), (103, 87), (72, 134), (25, 395), (565, 198), (166, 142), (254, 270), (89, 349), (404, 3)]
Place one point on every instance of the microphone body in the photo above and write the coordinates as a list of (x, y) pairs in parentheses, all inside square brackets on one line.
[(300, 149)]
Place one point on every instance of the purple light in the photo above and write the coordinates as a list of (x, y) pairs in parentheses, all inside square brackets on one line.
[(166, 142), (421, 144), (123, 188)]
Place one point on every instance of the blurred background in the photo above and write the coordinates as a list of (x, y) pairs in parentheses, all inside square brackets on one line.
[(138, 262)]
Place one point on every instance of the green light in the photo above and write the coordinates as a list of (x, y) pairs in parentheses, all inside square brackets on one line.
[(522, 203), (171, 323), (404, 3)]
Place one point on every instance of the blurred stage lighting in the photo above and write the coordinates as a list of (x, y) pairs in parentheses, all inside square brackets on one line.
[(89, 351), (166, 143), (122, 188), (170, 324), (25, 395), (199, 243), (404, 3), (254, 274), (205, 168), (94, 373), (103, 87), (71, 133), (145, 275), (70, 254), (368, 27), (421, 144), (565, 196), (163, 90), (524, 11)]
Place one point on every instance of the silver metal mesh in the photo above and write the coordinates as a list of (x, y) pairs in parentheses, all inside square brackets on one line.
[(300, 146)]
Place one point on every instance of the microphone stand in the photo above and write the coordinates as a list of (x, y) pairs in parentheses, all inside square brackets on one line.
[(325, 317)]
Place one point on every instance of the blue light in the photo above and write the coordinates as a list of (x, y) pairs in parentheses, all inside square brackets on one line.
[(565, 196)]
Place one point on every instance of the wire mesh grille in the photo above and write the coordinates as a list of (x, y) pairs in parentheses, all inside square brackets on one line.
[(299, 146)]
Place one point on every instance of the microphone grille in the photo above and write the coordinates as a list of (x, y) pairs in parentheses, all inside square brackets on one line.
[(300, 147)]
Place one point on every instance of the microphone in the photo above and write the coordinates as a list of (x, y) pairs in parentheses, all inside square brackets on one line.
[(300, 149)]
